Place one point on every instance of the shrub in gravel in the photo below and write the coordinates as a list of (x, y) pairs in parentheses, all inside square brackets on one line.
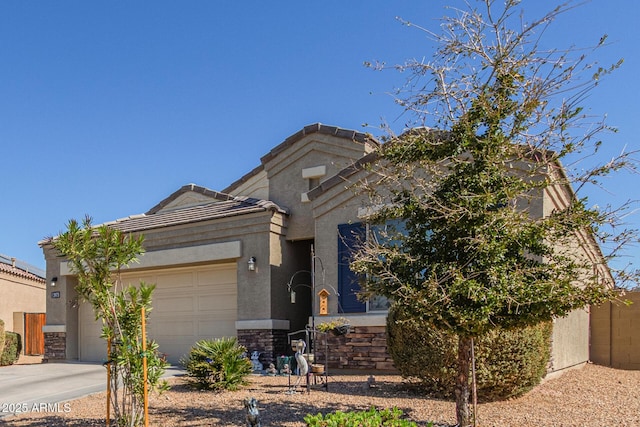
[(12, 349), (1, 336), (217, 364), (371, 418), (508, 362)]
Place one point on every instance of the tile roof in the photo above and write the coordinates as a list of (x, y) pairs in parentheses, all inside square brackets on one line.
[(232, 206), (318, 128), (186, 189), (222, 206), (17, 271), (321, 129)]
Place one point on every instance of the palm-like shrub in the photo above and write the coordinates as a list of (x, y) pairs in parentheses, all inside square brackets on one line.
[(218, 364)]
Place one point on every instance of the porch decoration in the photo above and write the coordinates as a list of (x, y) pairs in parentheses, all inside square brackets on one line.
[(338, 326), (324, 302)]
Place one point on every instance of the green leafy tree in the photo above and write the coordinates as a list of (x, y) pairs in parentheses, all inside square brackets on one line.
[(496, 115), (96, 256)]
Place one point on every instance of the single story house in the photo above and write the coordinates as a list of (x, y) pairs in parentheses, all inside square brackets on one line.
[(23, 302), (228, 263)]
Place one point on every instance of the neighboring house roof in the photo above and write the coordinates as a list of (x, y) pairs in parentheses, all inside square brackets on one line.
[(222, 206), (20, 269), (318, 128)]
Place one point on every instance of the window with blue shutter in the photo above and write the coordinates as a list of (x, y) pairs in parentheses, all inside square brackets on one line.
[(349, 236)]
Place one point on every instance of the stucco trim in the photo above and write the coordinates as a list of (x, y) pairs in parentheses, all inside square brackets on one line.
[(262, 324), (177, 256), (314, 172), (54, 328)]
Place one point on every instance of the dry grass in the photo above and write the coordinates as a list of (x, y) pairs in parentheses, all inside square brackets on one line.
[(591, 396)]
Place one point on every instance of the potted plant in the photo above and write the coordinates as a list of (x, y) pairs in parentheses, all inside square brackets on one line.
[(337, 326)]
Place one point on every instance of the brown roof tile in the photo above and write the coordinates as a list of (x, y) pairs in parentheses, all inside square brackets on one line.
[(18, 272), (353, 135), (225, 206)]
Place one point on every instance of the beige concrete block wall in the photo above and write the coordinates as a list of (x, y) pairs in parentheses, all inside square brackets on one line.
[(615, 333), (600, 346)]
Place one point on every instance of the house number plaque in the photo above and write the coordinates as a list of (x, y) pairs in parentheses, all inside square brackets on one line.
[(55, 294)]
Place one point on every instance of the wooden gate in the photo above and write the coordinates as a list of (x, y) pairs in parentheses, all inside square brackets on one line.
[(33, 335)]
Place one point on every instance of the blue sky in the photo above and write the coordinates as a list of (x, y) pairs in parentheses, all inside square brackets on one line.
[(106, 108)]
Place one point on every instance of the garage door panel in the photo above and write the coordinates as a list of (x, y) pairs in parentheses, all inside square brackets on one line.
[(189, 304), (174, 349), (173, 304), (219, 275), (95, 349), (221, 328), (215, 303), (175, 280), (129, 280), (171, 328)]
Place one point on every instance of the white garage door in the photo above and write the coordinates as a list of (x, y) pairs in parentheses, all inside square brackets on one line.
[(189, 304)]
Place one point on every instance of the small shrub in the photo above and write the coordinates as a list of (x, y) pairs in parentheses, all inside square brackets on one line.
[(1, 336), (329, 325), (217, 364), (12, 348), (508, 362), (371, 418)]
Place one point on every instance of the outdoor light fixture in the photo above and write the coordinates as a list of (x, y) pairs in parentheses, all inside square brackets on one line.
[(252, 263), (54, 280)]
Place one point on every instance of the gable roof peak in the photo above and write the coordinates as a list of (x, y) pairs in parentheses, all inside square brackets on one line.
[(314, 128), (352, 135), (186, 189)]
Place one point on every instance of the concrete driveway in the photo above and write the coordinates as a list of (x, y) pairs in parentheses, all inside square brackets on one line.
[(45, 386)]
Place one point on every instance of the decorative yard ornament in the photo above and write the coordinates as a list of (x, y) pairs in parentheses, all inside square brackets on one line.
[(253, 415), (324, 302), (255, 361), (303, 365)]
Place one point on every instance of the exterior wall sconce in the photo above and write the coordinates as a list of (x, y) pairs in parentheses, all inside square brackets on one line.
[(251, 264), (54, 280)]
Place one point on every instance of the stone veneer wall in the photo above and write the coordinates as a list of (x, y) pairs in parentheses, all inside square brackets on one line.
[(55, 344), (363, 348), (271, 343)]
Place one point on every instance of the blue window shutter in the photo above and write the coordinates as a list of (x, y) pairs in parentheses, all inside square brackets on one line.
[(349, 235)]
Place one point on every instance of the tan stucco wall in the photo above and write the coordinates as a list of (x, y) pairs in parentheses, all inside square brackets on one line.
[(287, 186), (256, 186), (19, 294), (570, 340)]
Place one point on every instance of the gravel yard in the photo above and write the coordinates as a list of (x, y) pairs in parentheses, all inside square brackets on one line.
[(590, 396)]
